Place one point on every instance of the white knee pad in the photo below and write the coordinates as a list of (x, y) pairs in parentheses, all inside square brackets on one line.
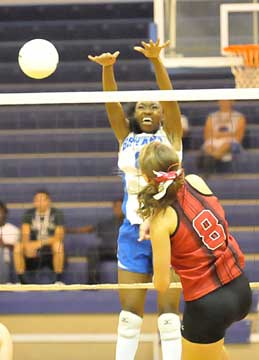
[(169, 326), (4, 331), (129, 324)]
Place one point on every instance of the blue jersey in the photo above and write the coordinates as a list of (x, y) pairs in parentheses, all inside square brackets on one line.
[(129, 165)]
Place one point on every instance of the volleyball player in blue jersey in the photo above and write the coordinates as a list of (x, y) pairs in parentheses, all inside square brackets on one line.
[(150, 121)]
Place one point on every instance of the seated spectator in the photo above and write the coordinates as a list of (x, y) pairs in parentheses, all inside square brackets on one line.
[(41, 239), (107, 231), (9, 236), (223, 135)]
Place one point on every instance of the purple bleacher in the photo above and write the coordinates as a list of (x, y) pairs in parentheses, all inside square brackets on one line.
[(127, 70), (87, 165), (74, 29), (246, 162), (76, 50), (88, 190), (242, 214), (247, 240), (74, 215), (76, 302), (40, 142), (102, 190), (76, 272), (239, 332), (234, 187), (79, 244), (73, 302), (180, 82), (252, 270), (53, 116), (108, 272), (255, 302), (141, 9), (93, 115), (87, 140)]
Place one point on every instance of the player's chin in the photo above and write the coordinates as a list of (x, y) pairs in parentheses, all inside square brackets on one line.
[(149, 127)]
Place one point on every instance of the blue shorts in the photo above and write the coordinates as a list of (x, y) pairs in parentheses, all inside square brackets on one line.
[(134, 255)]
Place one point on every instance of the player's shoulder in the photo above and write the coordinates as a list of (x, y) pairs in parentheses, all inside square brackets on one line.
[(164, 218), (30, 212), (56, 211), (198, 183)]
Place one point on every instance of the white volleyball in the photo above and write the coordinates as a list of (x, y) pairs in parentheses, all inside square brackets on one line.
[(38, 58)]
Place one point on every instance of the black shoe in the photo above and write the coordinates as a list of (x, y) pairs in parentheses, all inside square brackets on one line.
[(22, 279)]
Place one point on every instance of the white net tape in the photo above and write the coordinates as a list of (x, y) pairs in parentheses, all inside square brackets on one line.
[(83, 97), (80, 287)]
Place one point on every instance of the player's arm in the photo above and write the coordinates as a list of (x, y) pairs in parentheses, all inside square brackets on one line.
[(172, 117), (29, 246), (59, 232), (240, 129), (58, 236), (25, 233), (208, 129), (114, 111), (86, 229), (161, 226)]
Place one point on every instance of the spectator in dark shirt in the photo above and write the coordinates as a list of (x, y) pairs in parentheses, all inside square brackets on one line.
[(107, 231), (41, 239)]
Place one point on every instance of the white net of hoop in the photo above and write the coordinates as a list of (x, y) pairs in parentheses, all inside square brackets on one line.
[(246, 77), (247, 74)]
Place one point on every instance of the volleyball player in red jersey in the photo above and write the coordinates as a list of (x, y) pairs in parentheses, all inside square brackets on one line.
[(189, 231)]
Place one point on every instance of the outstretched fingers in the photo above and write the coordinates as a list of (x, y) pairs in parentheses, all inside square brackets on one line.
[(165, 44), (92, 58), (139, 49), (105, 59), (151, 46), (116, 54)]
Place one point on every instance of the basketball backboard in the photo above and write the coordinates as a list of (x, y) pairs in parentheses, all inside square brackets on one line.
[(200, 29)]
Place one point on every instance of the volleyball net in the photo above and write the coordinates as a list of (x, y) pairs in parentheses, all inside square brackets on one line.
[(61, 141)]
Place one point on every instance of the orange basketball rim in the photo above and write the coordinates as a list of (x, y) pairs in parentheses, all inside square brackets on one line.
[(249, 52)]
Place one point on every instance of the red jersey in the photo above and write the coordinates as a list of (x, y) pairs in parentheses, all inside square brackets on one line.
[(203, 253)]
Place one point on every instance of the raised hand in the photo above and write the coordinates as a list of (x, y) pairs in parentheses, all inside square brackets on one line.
[(152, 49), (105, 59)]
